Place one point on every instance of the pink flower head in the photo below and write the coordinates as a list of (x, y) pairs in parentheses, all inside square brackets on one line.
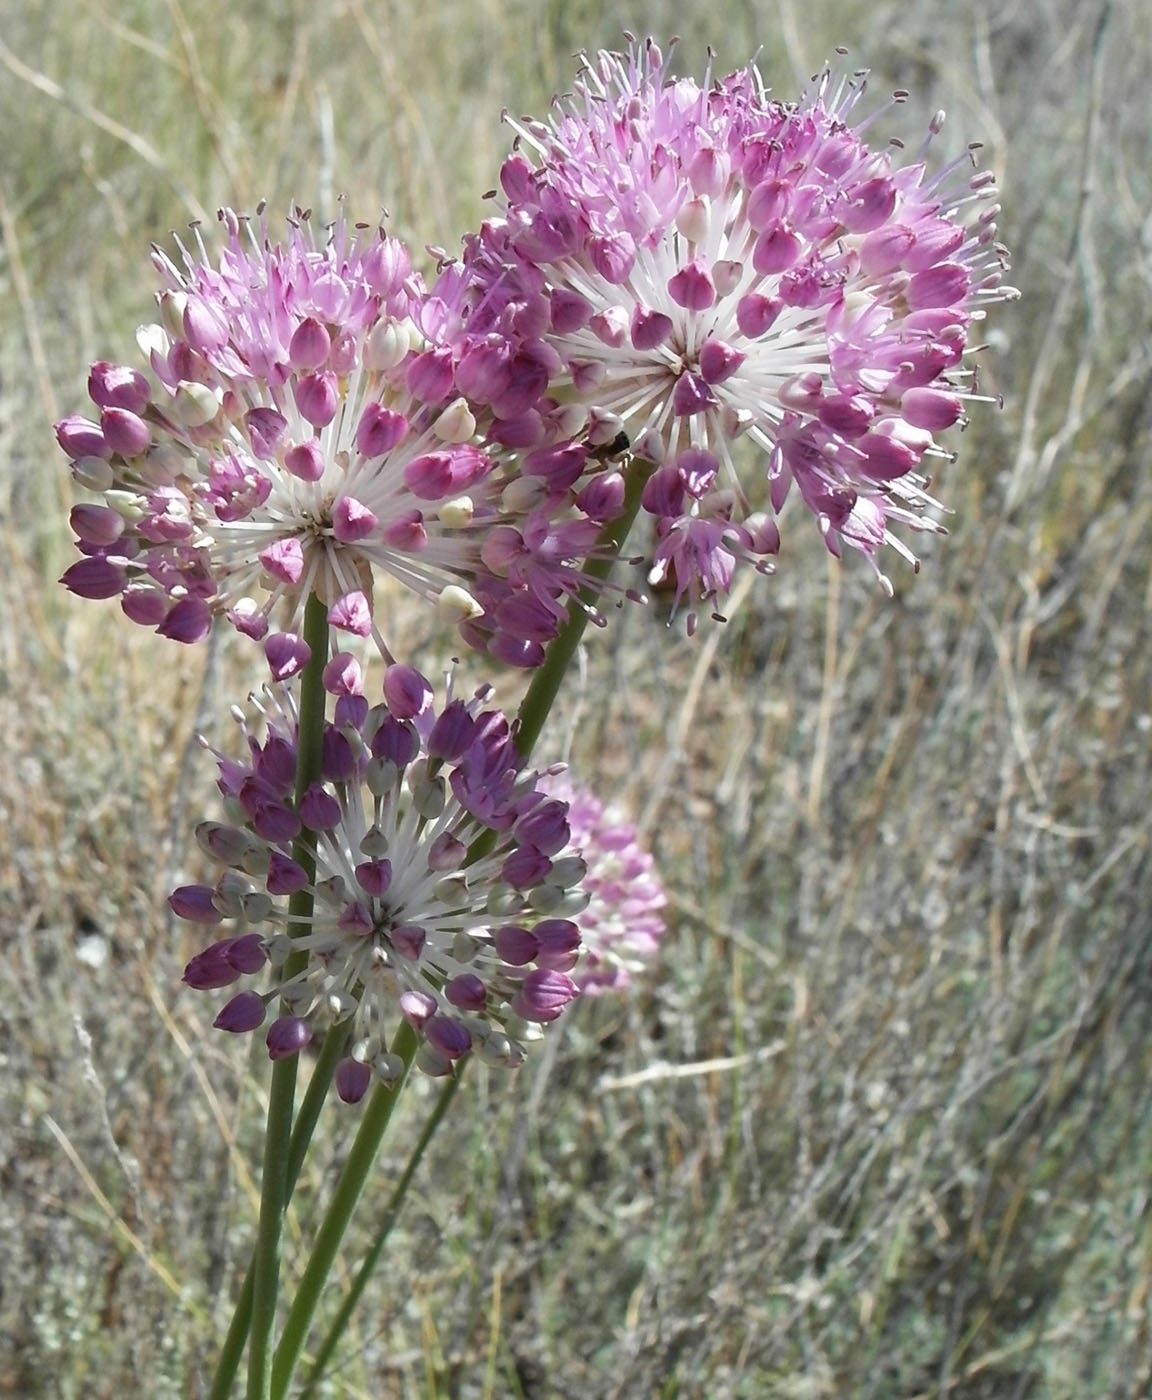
[(405, 922), (711, 265), (302, 429), (622, 925)]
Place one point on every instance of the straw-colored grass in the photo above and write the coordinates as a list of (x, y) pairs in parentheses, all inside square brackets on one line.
[(879, 1122)]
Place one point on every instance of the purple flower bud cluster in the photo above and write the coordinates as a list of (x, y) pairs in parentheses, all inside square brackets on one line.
[(445, 889), (622, 926), (311, 417), (708, 265)]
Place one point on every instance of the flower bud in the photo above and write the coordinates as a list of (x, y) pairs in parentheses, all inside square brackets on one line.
[(245, 1012)]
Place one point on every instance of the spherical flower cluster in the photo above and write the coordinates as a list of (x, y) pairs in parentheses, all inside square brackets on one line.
[(443, 888), (622, 926), (303, 427), (712, 265)]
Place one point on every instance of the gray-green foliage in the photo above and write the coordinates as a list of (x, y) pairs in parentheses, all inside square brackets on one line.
[(907, 842)]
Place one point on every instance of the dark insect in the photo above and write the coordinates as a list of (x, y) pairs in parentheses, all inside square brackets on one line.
[(610, 451)]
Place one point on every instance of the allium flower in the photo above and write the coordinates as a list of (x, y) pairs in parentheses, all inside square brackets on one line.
[(473, 949), (302, 428), (714, 265), (622, 926)]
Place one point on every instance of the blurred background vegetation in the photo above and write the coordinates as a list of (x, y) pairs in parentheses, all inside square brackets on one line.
[(879, 1122)]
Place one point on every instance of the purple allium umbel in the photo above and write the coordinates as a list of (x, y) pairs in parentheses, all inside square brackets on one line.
[(298, 426), (622, 926), (712, 265), (473, 944)]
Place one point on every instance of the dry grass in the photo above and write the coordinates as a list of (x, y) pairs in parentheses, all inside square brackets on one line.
[(879, 1124)]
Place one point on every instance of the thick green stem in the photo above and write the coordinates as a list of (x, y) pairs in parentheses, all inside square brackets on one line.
[(548, 677), (353, 1178), (274, 1190), (335, 1046), (371, 1259)]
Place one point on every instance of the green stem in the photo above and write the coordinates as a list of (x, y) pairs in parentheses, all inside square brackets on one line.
[(274, 1190), (372, 1258), (335, 1045), (547, 679), (353, 1178)]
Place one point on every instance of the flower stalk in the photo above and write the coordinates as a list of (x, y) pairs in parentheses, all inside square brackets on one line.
[(303, 1128), (357, 1169), (275, 1186), (547, 679), (367, 1267)]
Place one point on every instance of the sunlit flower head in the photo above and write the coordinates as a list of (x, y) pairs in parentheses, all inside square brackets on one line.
[(715, 265), (472, 943), (622, 926), (299, 429)]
